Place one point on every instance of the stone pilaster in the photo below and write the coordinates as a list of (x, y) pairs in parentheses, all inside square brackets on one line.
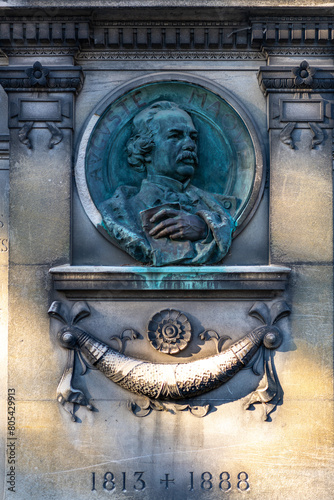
[(300, 122), (40, 120)]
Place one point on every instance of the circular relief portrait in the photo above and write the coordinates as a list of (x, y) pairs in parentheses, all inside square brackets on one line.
[(170, 169)]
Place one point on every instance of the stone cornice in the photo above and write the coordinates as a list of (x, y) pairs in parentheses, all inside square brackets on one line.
[(85, 32), (278, 79), (38, 78), (83, 282)]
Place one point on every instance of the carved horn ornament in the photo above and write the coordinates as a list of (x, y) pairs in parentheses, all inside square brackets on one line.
[(165, 381)]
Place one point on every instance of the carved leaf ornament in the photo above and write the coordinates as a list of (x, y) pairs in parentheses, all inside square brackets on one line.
[(164, 382)]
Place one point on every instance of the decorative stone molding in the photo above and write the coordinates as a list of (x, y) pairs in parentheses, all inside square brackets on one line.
[(271, 31), (308, 105), (124, 35), (40, 51), (55, 79), (92, 282), (4, 147), (278, 79), (160, 55), (301, 51), (42, 96), (43, 30), (64, 31)]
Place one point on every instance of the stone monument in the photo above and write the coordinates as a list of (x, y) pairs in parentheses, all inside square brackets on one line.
[(166, 253)]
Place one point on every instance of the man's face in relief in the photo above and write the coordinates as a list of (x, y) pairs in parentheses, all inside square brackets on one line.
[(175, 152)]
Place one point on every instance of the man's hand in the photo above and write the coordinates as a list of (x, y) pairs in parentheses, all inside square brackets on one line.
[(178, 225)]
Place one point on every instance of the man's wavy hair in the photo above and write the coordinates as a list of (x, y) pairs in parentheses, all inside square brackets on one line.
[(144, 127)]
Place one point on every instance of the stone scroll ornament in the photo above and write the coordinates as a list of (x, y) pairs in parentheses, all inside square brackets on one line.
[(165, 382)]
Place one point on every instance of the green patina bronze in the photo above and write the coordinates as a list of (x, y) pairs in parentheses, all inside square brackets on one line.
[(170, 166)]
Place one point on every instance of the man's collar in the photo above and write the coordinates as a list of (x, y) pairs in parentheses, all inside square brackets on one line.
[(168, 182)]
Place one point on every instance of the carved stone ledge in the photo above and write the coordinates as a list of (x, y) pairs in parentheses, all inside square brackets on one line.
[(104, 282), (282, 79), (39, 78)]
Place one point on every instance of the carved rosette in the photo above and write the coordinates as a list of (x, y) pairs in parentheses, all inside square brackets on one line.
[(303, 74), (169, 331)]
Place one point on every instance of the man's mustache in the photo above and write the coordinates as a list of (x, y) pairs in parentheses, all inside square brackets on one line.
[(187, 155)]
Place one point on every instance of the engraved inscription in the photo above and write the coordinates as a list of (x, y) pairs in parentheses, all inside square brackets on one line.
[(4, 243), (205, 481), (110, 482), (191, 487), (140, 483), (243, 484), (167, 480), (224, 483), (93, 481)]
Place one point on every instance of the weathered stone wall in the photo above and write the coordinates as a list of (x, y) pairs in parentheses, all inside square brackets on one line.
[(255, 53)]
